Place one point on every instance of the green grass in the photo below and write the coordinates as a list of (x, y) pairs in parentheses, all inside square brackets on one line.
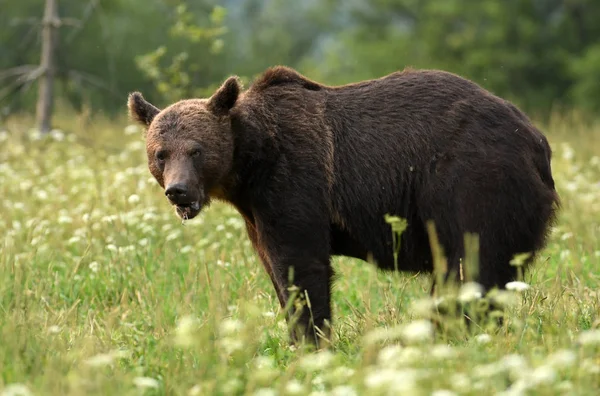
[(104, 291)]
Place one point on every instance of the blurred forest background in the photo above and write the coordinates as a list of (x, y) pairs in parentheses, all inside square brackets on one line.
[(542, 54)]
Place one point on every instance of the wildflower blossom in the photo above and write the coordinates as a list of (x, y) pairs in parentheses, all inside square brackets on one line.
[(517, 286), (483, 339), (133, 199), (316, 361), (54, 329), (195, 390), (562, 359), (265, 392), (394, 381), (589, 337), (543, 375), (146, 382), (186, 328), (102, 359), (343, 390), (590, 367), (442, 352), (131, 129), (470, 291), (417, 331), (16, 390), (443, 392), (230, 327), (94, 266), (294, 387)]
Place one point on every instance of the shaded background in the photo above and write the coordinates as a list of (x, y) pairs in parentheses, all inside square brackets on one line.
[(542, 54)]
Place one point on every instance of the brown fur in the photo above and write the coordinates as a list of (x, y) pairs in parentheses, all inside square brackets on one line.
[(313, 170)]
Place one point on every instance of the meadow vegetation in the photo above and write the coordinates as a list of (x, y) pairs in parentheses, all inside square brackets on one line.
[(103, 290)]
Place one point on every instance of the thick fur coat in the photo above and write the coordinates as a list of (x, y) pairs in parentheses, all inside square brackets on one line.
[(314, 169)]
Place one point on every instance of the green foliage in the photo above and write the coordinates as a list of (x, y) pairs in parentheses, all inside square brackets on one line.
[(541, 54), (534, 52), (187, 73)]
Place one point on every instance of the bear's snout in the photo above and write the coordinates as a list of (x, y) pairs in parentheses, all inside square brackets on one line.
[(177, 192), (186, 200)]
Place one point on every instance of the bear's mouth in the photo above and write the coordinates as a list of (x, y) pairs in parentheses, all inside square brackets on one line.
[(188, 211)]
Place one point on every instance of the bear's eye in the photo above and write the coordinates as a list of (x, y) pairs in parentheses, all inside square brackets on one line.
[(195, 153), (161, 155)]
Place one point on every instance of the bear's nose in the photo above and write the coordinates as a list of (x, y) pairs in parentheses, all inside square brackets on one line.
[(176, 191)]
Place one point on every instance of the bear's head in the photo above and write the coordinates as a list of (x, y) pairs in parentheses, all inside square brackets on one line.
[(189, 146)]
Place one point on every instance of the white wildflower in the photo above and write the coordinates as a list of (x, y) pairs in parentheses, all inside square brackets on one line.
[(133, 199), (470, 291), (343, 390), (185, 331), (131, 129), (562, 359), (146, 382), (342, 373), (294, 387), (460, 382), (589, 337), (231, 345), (395, 381), (74, 240), (442, 352), (16, 390), (565, 387), (443, 392), (388, 355), (515, 364), (186, 249), (64, 219), (487, 370), (54, 329), (566, 235), (136, 145), (233, 386), (504, 298), (265, 392), (57, 135), (195, 390), (518, 388), (517, 286), (173, 235), (263, 362), (423, 307), (590, 367), (568, 152), (230, 327), (418, 331), (316, 361), (94, 266), (571, 186), (543, 375), (102, 359), (483, 339)]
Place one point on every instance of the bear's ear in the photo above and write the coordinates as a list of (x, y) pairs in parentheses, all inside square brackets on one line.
[(141, 110), (223, 100)]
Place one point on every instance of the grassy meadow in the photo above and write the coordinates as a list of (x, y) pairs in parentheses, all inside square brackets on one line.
[(103, 290)]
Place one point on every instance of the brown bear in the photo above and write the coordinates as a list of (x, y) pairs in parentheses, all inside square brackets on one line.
[(313, 169)]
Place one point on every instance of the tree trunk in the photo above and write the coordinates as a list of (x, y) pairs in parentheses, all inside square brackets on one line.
[(47, 64)]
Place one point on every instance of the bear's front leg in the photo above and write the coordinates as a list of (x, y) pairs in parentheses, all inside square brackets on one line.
[(298, 252)]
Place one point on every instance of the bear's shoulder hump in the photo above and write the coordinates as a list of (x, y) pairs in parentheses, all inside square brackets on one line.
[(282, 75)]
